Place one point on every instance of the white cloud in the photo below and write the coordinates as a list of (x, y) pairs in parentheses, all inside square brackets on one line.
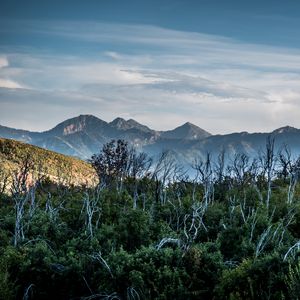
[(192, 47), (113, 55), (9, 84), (159, 76), (5, 81), (3, 62)]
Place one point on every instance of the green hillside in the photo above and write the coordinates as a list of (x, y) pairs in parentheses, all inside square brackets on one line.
[(47, 164)]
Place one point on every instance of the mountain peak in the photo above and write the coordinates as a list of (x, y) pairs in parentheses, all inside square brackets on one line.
[(119, 123), (285, 129), (186, 131), (134, 122), (122, 124), (76, 124), (86, 134), (189, 124)]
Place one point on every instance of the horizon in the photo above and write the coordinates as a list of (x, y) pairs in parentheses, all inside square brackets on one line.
[(225, 67), (158, 130)]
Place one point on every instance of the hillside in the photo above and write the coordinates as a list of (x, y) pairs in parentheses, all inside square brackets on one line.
[(57, 167)]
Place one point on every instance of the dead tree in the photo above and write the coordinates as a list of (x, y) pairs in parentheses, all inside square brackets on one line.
[(103, 296), (241, 169), (292, 251), (20, 191), (274, 233), (51, 210), (289, 170), (32, 199), (162, 175), (206, 176), (285, 162), (220, 167), (268, 164), (168, 241), (263, 240), (256, 176), (98, 257), (177, 190), (138, 167), (91, 210), (254, 220), (28, 292), (132, 294), (193, 222), (293, 180)]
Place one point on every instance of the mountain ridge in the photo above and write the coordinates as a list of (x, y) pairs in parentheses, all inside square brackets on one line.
[(84, 135)]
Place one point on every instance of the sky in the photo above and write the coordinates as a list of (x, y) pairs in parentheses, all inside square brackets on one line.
[(224, 65)]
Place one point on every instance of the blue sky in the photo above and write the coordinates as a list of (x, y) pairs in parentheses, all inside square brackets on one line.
[(223, 65)]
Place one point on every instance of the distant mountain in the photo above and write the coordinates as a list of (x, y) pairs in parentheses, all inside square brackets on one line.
[(121, 124), (16, 134), (286, 130), (187, 131), (84, 135), (82, 123)]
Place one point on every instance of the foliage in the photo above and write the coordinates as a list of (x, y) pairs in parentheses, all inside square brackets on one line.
[(111, 163), (154, 234)]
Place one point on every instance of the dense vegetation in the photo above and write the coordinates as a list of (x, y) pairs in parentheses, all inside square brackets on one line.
[(147, 231)]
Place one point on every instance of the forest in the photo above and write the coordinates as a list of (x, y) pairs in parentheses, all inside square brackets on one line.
[(150, 230)]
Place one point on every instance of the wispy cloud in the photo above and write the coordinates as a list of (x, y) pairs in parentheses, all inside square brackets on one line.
[(161, 77), (3, 62), (192, 47), (7, 82)]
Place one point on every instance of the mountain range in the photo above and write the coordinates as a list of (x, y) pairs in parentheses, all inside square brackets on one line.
[(84, 135)]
